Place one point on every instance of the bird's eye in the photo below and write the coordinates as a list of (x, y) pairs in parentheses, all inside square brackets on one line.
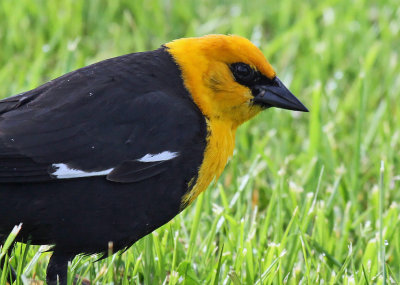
[(243, 73)]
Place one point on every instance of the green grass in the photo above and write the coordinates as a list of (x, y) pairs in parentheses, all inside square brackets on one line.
[(304, 198)]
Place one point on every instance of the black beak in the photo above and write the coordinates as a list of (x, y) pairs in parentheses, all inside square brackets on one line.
[(276, 95)]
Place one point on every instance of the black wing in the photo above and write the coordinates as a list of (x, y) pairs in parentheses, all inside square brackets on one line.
[(102, 117)]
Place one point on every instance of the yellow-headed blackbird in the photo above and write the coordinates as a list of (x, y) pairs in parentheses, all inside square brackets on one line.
[(114, 150)]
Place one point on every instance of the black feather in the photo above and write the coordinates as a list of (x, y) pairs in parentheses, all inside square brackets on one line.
[(107, 115)]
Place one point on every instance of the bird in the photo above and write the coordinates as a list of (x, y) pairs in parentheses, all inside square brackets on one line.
[(114, 150)]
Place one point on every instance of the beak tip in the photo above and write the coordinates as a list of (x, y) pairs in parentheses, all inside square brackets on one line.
[(298, 106), (304, 109)]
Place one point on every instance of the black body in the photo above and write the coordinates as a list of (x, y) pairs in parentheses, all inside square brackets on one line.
[(107, 115)]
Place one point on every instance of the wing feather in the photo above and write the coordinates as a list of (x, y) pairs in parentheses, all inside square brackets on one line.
[(100, 117)]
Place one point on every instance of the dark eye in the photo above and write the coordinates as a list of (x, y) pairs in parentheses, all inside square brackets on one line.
[(242, 72)]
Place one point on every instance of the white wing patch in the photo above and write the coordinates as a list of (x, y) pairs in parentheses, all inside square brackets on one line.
[(64, 172), (165, 155)]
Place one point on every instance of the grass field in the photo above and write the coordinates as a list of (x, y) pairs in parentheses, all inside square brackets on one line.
[(308, 198)]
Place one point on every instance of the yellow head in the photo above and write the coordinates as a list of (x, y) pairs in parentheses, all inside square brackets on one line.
[(229, 78)]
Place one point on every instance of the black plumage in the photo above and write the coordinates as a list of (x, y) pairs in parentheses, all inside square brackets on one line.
[(114, 150), (105, 116)]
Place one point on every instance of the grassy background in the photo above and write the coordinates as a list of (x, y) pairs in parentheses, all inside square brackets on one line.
[(304, 199)]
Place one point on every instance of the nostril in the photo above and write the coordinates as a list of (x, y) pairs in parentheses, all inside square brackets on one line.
[(258, 91)]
